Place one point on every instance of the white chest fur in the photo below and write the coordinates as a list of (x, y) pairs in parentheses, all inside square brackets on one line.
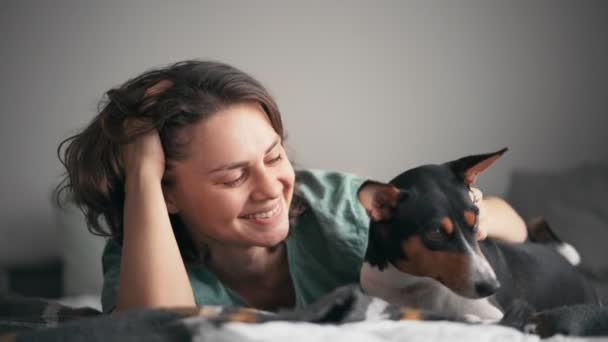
[(425, 293)]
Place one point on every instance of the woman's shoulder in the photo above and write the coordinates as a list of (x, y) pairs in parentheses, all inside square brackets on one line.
[(112, 247), (331, 234), (110, 257), (317, 183), (330, 194)]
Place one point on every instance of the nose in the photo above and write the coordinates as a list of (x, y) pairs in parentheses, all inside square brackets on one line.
[(267, 186), (485, 288)]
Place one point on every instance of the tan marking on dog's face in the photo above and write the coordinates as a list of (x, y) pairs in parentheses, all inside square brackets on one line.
[(448, 267), (470, 218), (243, 315), (447, 225), (192, 311), (408, 314), (187, 311)]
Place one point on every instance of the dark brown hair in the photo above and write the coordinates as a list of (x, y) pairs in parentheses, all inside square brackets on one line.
[(166, 99)]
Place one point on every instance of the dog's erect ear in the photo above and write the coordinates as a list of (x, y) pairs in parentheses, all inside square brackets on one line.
[(468, 168), (379, 199)]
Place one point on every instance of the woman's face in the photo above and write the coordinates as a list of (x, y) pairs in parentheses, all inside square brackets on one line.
[(235, 186)]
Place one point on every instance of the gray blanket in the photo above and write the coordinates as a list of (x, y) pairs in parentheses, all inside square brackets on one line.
[(23, 319)]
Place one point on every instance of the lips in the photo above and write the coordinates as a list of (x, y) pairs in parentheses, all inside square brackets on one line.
[(263, 214)]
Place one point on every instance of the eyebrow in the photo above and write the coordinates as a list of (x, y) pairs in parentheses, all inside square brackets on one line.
[(238, 165)]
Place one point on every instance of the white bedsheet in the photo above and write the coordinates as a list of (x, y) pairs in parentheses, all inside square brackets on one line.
[(368, 331)]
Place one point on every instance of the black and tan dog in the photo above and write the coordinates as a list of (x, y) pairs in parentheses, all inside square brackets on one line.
[(423, 252)]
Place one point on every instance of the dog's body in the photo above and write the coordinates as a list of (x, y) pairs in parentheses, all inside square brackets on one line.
[(536, 273), (423, 251)]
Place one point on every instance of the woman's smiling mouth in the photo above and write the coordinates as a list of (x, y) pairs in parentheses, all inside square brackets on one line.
[(264, 217)]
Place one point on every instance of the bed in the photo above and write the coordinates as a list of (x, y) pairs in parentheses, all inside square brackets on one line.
[(572, 201), (345, 314)]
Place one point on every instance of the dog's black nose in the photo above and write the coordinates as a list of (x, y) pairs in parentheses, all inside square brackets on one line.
[(486, 288)]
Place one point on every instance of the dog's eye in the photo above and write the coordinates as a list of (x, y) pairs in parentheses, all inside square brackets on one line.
[(435, 234)]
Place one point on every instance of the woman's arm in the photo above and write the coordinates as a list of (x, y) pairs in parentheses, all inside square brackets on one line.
[(152, 272), (500, 221)]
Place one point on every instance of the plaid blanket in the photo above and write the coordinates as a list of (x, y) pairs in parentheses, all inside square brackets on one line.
[(18, 313), (23, 319)]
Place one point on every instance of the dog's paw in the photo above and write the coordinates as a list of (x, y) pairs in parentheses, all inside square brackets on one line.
[(470, 318), (519, 315)]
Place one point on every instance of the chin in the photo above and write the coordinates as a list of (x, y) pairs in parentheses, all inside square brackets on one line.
[(275, 237)]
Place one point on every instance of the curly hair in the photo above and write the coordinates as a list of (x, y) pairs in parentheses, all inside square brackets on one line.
[(168, 99)]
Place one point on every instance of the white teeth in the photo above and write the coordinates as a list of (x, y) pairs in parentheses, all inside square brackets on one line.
[(267, 214)]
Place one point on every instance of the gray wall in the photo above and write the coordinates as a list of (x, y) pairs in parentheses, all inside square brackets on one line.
[(367, 86)]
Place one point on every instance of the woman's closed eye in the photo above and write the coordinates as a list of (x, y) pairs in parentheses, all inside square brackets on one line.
[(236, 181), (233, 182), (275, 159)]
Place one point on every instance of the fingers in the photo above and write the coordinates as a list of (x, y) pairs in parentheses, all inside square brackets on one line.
[(158, 88), (481, 233), (476, 195), (133, 125), (143, 144), (152, 92)]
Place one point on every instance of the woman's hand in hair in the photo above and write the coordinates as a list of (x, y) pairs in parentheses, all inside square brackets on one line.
[(144, 156), (497, 219), (152, 272)]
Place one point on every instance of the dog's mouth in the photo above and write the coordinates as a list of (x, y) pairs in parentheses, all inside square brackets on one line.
[(457, 291)]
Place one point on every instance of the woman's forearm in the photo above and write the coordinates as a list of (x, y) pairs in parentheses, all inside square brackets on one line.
[(152, 271), (502, 221)]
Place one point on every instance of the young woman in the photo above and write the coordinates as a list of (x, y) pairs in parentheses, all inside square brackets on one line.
[(184, 169)]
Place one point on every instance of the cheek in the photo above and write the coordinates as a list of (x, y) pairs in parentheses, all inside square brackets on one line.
[(220, 204), (451, 267), (213, 215), (210, 206), (286, 175)]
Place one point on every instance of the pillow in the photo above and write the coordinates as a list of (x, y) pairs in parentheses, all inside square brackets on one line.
[(584, 230), (3, 281), (18, 313), (575, 204), (81, 253)]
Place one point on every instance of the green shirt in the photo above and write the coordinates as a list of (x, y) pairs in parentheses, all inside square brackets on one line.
[(325, 246)]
